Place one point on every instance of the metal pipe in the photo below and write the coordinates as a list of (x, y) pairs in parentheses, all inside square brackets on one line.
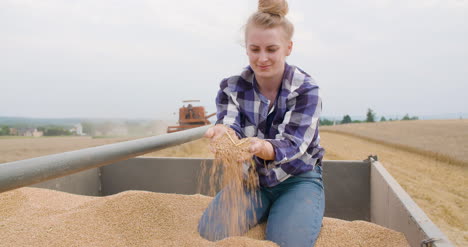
[(26, 172)]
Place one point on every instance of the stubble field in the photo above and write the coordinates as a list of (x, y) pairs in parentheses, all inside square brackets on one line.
[(443, 140), (19, 148), (428, 158)]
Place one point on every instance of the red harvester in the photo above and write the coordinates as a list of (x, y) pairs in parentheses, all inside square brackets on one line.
[(190, 117)]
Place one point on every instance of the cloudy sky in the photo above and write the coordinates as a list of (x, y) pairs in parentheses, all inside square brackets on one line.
[(141, 58)]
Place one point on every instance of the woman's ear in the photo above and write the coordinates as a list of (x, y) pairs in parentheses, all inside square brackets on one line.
[(289, 48)]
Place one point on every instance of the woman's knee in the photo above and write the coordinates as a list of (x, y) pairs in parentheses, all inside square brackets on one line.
[(210, 230), (296, 216)]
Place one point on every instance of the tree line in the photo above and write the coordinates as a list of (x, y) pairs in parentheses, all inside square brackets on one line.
[(371, 117), (6, 130)]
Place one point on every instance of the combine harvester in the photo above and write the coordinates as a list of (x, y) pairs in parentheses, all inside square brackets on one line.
[(355, 190), (190, 117)]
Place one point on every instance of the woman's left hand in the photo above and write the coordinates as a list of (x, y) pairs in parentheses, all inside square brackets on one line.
[(262, 149)]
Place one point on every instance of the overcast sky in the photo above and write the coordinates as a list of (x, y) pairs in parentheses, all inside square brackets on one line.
[(141, 58)]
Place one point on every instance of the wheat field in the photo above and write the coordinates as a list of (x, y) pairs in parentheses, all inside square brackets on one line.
[(426, 157), (444, 140), (19, 148)]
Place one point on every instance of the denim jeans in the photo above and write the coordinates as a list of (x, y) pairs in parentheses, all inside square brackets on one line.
[(293, 210)]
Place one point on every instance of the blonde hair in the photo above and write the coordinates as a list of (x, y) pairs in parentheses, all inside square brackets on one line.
[(271, 14)]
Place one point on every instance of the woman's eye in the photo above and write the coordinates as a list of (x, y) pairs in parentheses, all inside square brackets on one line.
[(272, 50), (254, 50)]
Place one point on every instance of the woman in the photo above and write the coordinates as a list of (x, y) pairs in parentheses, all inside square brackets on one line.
[(280, 105)]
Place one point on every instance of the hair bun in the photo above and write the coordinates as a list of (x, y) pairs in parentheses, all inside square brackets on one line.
[(274, 7)]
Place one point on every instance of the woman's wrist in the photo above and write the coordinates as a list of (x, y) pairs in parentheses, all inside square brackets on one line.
[(216, 131), (262, 149)]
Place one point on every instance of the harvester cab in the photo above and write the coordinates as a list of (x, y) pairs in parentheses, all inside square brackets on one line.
[(190, 116)]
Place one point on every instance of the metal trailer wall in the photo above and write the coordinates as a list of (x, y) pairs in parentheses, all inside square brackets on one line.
[(393, 208), (83, 183), (165, 175), (347, 192)]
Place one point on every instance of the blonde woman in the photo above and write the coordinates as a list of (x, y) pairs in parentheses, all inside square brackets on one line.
[(280, 105)]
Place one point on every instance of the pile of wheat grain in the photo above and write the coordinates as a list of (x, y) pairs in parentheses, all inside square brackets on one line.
[(41, 217)]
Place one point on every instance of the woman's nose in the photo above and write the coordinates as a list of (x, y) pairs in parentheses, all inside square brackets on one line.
[(263, 57)]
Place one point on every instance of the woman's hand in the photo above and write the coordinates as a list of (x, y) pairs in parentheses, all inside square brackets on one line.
[(258, 147), (215, 132), (262, 149)]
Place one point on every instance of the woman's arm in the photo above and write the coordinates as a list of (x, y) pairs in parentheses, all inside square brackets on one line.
[(227, 112), (299, 126), (298, 131)]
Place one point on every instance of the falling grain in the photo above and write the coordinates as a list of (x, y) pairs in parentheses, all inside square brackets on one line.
[(233, 170)]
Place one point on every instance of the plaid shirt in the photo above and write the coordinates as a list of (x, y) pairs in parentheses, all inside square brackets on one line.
[(294, 130)]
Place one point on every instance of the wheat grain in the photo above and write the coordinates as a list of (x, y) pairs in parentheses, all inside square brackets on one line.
[(41, 217)]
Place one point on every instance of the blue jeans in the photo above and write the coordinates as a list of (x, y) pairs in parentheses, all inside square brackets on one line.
[(293, 209)]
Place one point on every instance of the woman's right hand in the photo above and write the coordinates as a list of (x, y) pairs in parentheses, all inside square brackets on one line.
[(216, 131)]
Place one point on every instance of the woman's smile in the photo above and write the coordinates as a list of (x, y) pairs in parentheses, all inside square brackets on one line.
[(264, 67)]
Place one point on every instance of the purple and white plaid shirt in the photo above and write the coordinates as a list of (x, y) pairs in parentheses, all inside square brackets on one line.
[(294, 129)]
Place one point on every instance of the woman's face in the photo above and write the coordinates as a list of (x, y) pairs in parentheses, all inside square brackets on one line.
[(267, 50)]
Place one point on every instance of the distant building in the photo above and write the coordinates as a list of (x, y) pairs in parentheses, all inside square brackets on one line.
[(37, 133), (24, 132), (79, 129), (33, 132), (13, 131)]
